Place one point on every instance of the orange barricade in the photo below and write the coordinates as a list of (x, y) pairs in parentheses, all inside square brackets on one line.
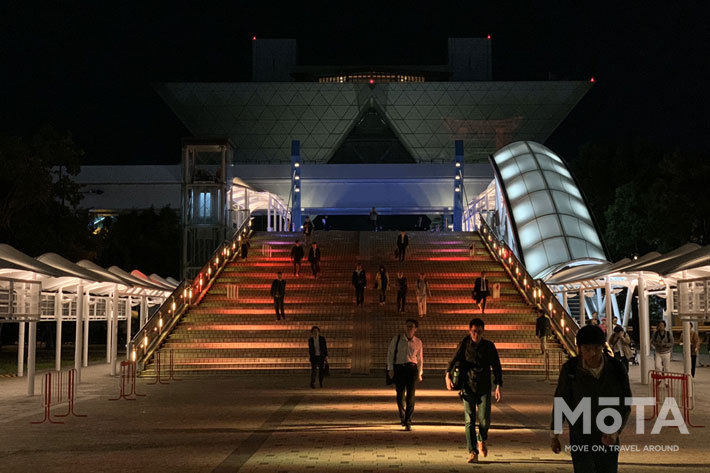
[(128, 379), (54, 385), (666, 385)]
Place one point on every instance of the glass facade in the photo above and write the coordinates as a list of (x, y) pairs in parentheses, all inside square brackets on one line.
[(553, 223)]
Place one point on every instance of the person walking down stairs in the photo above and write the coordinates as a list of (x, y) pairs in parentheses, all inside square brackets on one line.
[(423, 292), (402, 244), (318, 355), (297, 255), (401, 292), (314, 259), (381, 283), (480, 292), (278, 292), (359, 282)]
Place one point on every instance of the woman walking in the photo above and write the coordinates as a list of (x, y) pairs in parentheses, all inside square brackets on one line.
[(423, 291), (381, 283)]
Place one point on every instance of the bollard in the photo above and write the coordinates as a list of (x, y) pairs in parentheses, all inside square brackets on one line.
[(71, 393)]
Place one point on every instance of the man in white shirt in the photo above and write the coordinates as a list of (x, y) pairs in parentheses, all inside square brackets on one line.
[(405, 364)]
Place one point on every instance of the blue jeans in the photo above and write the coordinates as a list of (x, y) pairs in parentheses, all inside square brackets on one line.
[(479, 410)]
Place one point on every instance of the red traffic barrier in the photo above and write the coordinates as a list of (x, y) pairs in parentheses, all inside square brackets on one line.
[(127, 381), (666, 385), (54, 385)]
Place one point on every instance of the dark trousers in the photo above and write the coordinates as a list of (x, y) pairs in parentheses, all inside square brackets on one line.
[(405, 378), (476, 407), (296, 267), (315, 267), (624, 361), (279, 306), (402, 251), (481, 296), (693, 359), (593, 458), (317, 363), (401, 301), (382, 294), (359, 295)]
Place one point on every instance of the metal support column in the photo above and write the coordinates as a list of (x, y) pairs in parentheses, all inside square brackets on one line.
[(21, 350), (607, 306), (78, 335), (582, 315), (86, 332), (114, 331), (458, 185), (129, 316), (58, 339), (31, 351), (644, 327), (143, 311), (296, 184)]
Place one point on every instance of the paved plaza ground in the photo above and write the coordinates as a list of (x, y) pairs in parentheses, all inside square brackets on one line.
[(276, 423)]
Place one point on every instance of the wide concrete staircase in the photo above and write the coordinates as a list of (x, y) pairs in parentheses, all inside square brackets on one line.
[(223, 335)]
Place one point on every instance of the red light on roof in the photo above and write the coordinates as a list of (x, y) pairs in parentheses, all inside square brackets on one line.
[(592, 80), (372, 81), (488, 37), (253, 38)]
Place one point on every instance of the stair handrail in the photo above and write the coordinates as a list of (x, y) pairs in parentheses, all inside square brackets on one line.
[(535, 291), (189, 293)]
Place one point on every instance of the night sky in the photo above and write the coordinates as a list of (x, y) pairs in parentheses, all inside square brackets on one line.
[(88, 67)]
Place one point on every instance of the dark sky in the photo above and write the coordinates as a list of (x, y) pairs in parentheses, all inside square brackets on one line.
[(88, 67)]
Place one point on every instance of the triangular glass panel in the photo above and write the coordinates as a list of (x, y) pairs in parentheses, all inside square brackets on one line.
[(371, 140)]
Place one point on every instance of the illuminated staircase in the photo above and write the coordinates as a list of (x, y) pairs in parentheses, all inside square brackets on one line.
[(223, 335)]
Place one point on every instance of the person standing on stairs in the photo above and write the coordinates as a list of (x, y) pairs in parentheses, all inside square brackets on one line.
[(307, 230), (314, 259), (318, 355), (244, 246), (297, 255), (476, 357), (480, 291), (360, 283), (542, 331), (402, 244), (423, 292), (401, 292), (381, 283), (278, 292), (373, 218), (405, 364)]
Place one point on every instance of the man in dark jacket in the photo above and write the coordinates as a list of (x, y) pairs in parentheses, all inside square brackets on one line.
[(318, 355), (278, 291), (307, 229), (476, 359), (297, 255), (401, 292), (360, 282), (480, 291), (402, 243), (589, 377), (314, 259), (542, 330)]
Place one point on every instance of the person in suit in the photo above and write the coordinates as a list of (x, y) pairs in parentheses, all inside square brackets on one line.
[(297, 255), (278, 291), (318, 354), (360, 282), (401, 292), (402, 243), (314, 259), (480, 291), (382, 280)]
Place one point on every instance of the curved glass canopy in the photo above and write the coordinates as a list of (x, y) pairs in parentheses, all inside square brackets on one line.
[(553, 225)]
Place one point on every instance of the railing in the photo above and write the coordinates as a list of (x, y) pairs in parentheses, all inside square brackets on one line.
[(157, 328), (535, 292)]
